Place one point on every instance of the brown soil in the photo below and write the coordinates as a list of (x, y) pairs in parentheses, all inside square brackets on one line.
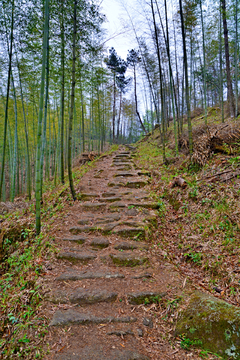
[(151, 334)]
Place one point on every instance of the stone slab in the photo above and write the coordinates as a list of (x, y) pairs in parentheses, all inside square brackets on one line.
[(128, 259), (81, 275), (71, 316), (127, 232), (100, 242), (145, 297), (131, 246), (83, 296), (76, 239)]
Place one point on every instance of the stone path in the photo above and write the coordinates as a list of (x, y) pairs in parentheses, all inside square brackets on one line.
[(104, 273)]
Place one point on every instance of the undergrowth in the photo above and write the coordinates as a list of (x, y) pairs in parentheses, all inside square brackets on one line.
[(23, 325)]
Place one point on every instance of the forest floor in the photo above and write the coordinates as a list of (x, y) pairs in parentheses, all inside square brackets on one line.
[(110, 273)]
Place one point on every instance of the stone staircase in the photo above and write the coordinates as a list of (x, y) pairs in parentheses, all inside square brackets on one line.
[(106, 275)]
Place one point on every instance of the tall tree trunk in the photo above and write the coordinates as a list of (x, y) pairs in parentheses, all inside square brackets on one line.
[(220, 65), (136, 100), (72, 103), (161, 81), (62, 92), (114, 107), (40, 117), (6, 106), (236, 58), (186, 80), (229, 80), (204, 64)]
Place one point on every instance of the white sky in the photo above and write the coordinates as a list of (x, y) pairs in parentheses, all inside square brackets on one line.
[(120, 38)]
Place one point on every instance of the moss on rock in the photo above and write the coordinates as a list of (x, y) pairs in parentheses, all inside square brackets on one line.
[(215, 323)]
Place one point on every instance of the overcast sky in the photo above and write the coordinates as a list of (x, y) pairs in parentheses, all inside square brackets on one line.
[(117, 19)]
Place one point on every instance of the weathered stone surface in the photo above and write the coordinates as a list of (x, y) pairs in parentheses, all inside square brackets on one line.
[(84, 221), (128, 232), (87, 197), (82, 296), (93, 206), (115, 184), (136, 184), (107, 229), (142, 276), (214, 323), (76, 257), (71, 316), (128, 259), (78, 230), (76, 239), (105, 219), (108, 194), (144, 297), (117, 204), (131, 245), (110, 199), (146, 205), (81, 275), (100, 242), (94, 352), (124, 167), (124, 174), (132, 223)]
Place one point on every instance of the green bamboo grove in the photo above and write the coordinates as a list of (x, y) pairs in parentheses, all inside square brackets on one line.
[(64, 92)]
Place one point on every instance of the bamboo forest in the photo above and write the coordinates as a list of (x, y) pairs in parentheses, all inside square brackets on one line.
[(121, 117)]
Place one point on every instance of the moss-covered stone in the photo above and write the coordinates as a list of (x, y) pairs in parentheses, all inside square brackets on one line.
[(214, 323), (136, 184), (126, 259), (132, 233), (145, 297)]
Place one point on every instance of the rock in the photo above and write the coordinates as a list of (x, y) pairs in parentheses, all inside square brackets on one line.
[(84, 221), (77, 239), (131, 212), (114, 184), (94, 352), (87, 197), (145, 297), (107, 219), (110, 199), (83, 296), (81, 275), (213, 323), (140, 332), (117, 205), (132, 223), (142, 276), (93, 206), (71, 316), (128, 259), (136, 184), (75, 258), (78, 230), (136, 233), (100, 242), (145, 205), (131, 246), (124, 174), (108, 194), (148, 322)]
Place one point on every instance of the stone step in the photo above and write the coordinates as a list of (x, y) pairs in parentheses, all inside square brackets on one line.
[(144, 172), (131, 245), (76, 239), (83, 257), (96, 353), (110, 199), (108, 194), (93, 206), (87, 197), (100, 242), (125, 174), (74, 317), (136, 184), (128, 259), (146, 205), (82, 296), (127, 232), (81, 275)]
